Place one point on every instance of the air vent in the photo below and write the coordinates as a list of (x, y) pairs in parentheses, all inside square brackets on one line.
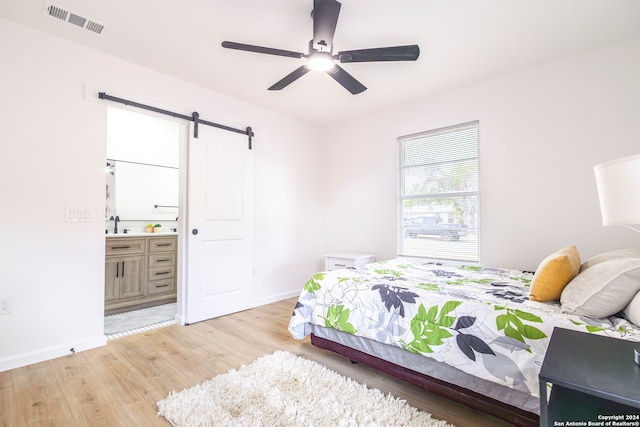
[(72, 18), (56, 12), (94, 26), (77, 20)]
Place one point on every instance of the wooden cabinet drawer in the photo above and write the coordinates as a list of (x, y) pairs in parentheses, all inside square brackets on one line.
[(124, 246), (162, 259), (161, 286), (162, 272), (162, 244)]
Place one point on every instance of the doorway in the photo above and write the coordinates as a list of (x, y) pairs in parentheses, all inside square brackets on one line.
[(217, 209), (144, 190)]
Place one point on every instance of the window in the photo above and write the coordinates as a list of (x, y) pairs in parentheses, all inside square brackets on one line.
[(438, 194)]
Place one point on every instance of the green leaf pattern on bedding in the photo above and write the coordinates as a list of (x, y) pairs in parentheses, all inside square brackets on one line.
[(513, 326), (338, 318), (479, 320), (313, 284), (429, 327), (429, 286)]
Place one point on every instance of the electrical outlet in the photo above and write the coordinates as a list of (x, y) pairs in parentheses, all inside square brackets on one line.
[(5, 305)]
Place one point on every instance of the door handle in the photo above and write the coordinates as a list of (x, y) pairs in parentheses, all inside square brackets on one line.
[(194, 231)]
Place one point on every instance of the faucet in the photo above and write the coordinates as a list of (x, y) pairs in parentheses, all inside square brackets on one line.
[(115, 227)]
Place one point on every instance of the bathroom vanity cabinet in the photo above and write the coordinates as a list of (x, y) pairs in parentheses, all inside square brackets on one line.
[(140, 271)]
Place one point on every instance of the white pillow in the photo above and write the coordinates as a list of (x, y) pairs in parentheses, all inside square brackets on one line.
[(606, 256), (632, 311), (602, 289)]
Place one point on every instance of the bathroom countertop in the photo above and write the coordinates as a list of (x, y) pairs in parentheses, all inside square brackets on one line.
[(142, 234)]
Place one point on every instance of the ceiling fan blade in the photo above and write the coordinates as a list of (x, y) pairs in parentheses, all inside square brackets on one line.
[(260, 49), (290, 78), (325, 18), (395, 53), (346, 80)]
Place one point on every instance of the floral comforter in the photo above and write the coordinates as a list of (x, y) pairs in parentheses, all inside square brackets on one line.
[(479, 320)]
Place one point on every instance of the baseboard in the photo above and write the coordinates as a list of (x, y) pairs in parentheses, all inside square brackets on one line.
[(276, 298), (180, 320), (42, 355)]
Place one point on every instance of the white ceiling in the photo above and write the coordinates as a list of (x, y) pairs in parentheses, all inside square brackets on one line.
[(461, 42)]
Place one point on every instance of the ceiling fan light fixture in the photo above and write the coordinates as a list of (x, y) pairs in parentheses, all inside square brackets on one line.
[(320, 61), (320, 54)]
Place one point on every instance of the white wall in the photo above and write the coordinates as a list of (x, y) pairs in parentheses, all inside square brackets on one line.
[(541, 132), (54, 148), (317, 190)]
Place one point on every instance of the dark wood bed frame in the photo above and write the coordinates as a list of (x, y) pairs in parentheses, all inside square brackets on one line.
[(513, 415)]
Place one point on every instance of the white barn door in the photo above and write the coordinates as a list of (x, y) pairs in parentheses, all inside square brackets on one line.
[(219, 215)]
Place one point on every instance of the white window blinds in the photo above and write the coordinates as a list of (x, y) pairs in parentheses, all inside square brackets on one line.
[(438, 194)]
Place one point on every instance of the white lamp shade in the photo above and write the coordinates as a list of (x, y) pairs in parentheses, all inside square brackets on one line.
[(618, 183)]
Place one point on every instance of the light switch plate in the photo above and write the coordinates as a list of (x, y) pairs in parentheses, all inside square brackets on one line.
[(77, 215)]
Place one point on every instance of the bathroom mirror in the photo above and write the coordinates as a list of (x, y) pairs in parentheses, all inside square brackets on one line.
[(142, 166), (138, 191)]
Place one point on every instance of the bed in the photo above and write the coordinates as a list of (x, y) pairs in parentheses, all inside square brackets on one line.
[(469, 333)]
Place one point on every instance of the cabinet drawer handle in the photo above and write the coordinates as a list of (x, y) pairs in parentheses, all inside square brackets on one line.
[(163, 244), (121, 247), (122, 268), (160, 273), (117, 270), (162, 286), (340, 265), (163, 260)]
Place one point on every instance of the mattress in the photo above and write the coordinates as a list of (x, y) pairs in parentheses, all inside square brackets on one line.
[(471, 326)]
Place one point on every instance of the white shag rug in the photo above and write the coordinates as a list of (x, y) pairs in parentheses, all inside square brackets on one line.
[(282, 389)]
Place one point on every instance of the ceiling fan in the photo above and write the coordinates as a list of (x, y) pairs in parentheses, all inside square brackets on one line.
[(321, 58)]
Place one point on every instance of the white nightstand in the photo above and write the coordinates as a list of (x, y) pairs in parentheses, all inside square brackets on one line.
[(338, 260)]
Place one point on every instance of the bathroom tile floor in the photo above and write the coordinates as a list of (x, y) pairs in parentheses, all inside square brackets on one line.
[(131, 322)]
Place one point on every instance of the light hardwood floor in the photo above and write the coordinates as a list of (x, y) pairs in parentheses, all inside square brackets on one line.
[(119, 384)]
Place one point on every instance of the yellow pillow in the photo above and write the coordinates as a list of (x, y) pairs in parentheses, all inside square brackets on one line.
[(554, 273)]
